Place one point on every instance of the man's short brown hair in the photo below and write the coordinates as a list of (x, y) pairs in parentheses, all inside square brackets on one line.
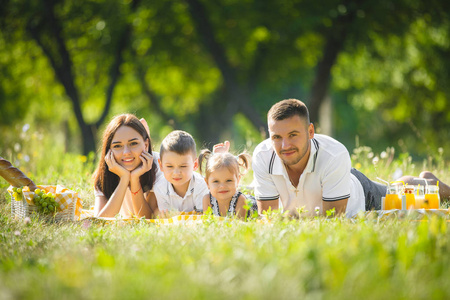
[(288, 108)]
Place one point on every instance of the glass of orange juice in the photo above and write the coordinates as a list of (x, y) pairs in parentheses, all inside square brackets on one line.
[(432, 199), (419, 194), (408, 191), (392, 200)]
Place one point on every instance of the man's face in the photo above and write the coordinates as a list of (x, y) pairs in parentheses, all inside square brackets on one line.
[(290, 139)]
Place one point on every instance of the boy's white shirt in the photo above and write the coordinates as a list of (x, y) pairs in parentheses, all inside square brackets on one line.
[(168, 199)]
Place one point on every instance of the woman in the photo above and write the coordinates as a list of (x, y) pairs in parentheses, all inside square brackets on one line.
[(126, 172)]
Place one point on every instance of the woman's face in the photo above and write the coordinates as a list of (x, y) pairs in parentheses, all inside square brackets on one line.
[(127, 145)]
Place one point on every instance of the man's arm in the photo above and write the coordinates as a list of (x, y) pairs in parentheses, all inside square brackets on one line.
[(339, 206), (265, 205)]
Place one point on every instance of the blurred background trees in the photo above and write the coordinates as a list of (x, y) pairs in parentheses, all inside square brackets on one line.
[(374, 69)]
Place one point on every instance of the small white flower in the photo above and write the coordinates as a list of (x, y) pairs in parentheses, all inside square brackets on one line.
[(375, 160), (440, 150), (26, 158), (397, 174), (27, 220), (370, 155), (383, 155), (317, 210), (25, 127), (17, 233)]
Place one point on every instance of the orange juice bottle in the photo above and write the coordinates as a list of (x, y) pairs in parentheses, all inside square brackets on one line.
[(410, 199), (432, 197)]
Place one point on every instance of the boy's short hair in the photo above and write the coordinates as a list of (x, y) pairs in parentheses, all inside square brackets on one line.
[(288, 108), (180, 142)]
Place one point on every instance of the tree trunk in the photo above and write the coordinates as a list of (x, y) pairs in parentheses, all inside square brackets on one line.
[(48, 30), (234, 97), (333, 46)]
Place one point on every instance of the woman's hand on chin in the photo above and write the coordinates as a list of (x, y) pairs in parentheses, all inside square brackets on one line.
[(147, 162), (114, 166)]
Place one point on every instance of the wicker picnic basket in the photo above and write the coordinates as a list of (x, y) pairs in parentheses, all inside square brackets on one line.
[(70, 205), (68, 200)]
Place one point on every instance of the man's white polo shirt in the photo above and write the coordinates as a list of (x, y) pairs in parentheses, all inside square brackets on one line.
[(168, 199), (326, 177)]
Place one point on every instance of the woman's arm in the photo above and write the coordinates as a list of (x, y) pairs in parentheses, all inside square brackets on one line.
[(141, 206), (111, 207)]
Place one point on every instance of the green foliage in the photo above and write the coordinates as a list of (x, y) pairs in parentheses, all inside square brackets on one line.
[(389, 79), (401, 96), (326, 258)]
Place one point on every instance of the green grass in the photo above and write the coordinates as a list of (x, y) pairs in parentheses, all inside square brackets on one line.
[(316, 258), (313, 258)]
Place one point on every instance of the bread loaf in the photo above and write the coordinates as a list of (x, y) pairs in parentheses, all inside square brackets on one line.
[(14, 176)]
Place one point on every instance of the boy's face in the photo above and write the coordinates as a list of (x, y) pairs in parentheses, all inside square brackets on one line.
[(178, 169)]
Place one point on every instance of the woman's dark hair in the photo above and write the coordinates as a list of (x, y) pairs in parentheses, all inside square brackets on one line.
[(106, 181)]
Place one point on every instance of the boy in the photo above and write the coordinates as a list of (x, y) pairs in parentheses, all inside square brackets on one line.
[(181, 189)]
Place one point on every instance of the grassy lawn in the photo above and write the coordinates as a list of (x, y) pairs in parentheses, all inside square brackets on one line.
[(316, 258)]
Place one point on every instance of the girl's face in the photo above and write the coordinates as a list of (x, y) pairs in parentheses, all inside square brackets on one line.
[(127, 145), (222, 183)]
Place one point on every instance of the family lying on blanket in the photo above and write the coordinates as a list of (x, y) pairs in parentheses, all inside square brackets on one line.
[(294, 167)]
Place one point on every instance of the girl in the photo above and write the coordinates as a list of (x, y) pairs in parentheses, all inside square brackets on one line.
[(126, 171), (222, 175)]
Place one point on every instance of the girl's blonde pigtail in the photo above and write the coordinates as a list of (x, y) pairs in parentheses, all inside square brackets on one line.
[(244, 160), (205, 154)]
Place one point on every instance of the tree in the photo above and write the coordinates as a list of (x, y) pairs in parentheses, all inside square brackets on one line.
[(406, 75), (52, 24), (203, 66)]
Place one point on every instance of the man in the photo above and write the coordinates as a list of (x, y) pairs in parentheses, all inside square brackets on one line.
[(297, 168)]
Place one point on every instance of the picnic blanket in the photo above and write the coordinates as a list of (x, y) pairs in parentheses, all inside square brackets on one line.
[(196, 218), (182, 218), (414, 214)]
